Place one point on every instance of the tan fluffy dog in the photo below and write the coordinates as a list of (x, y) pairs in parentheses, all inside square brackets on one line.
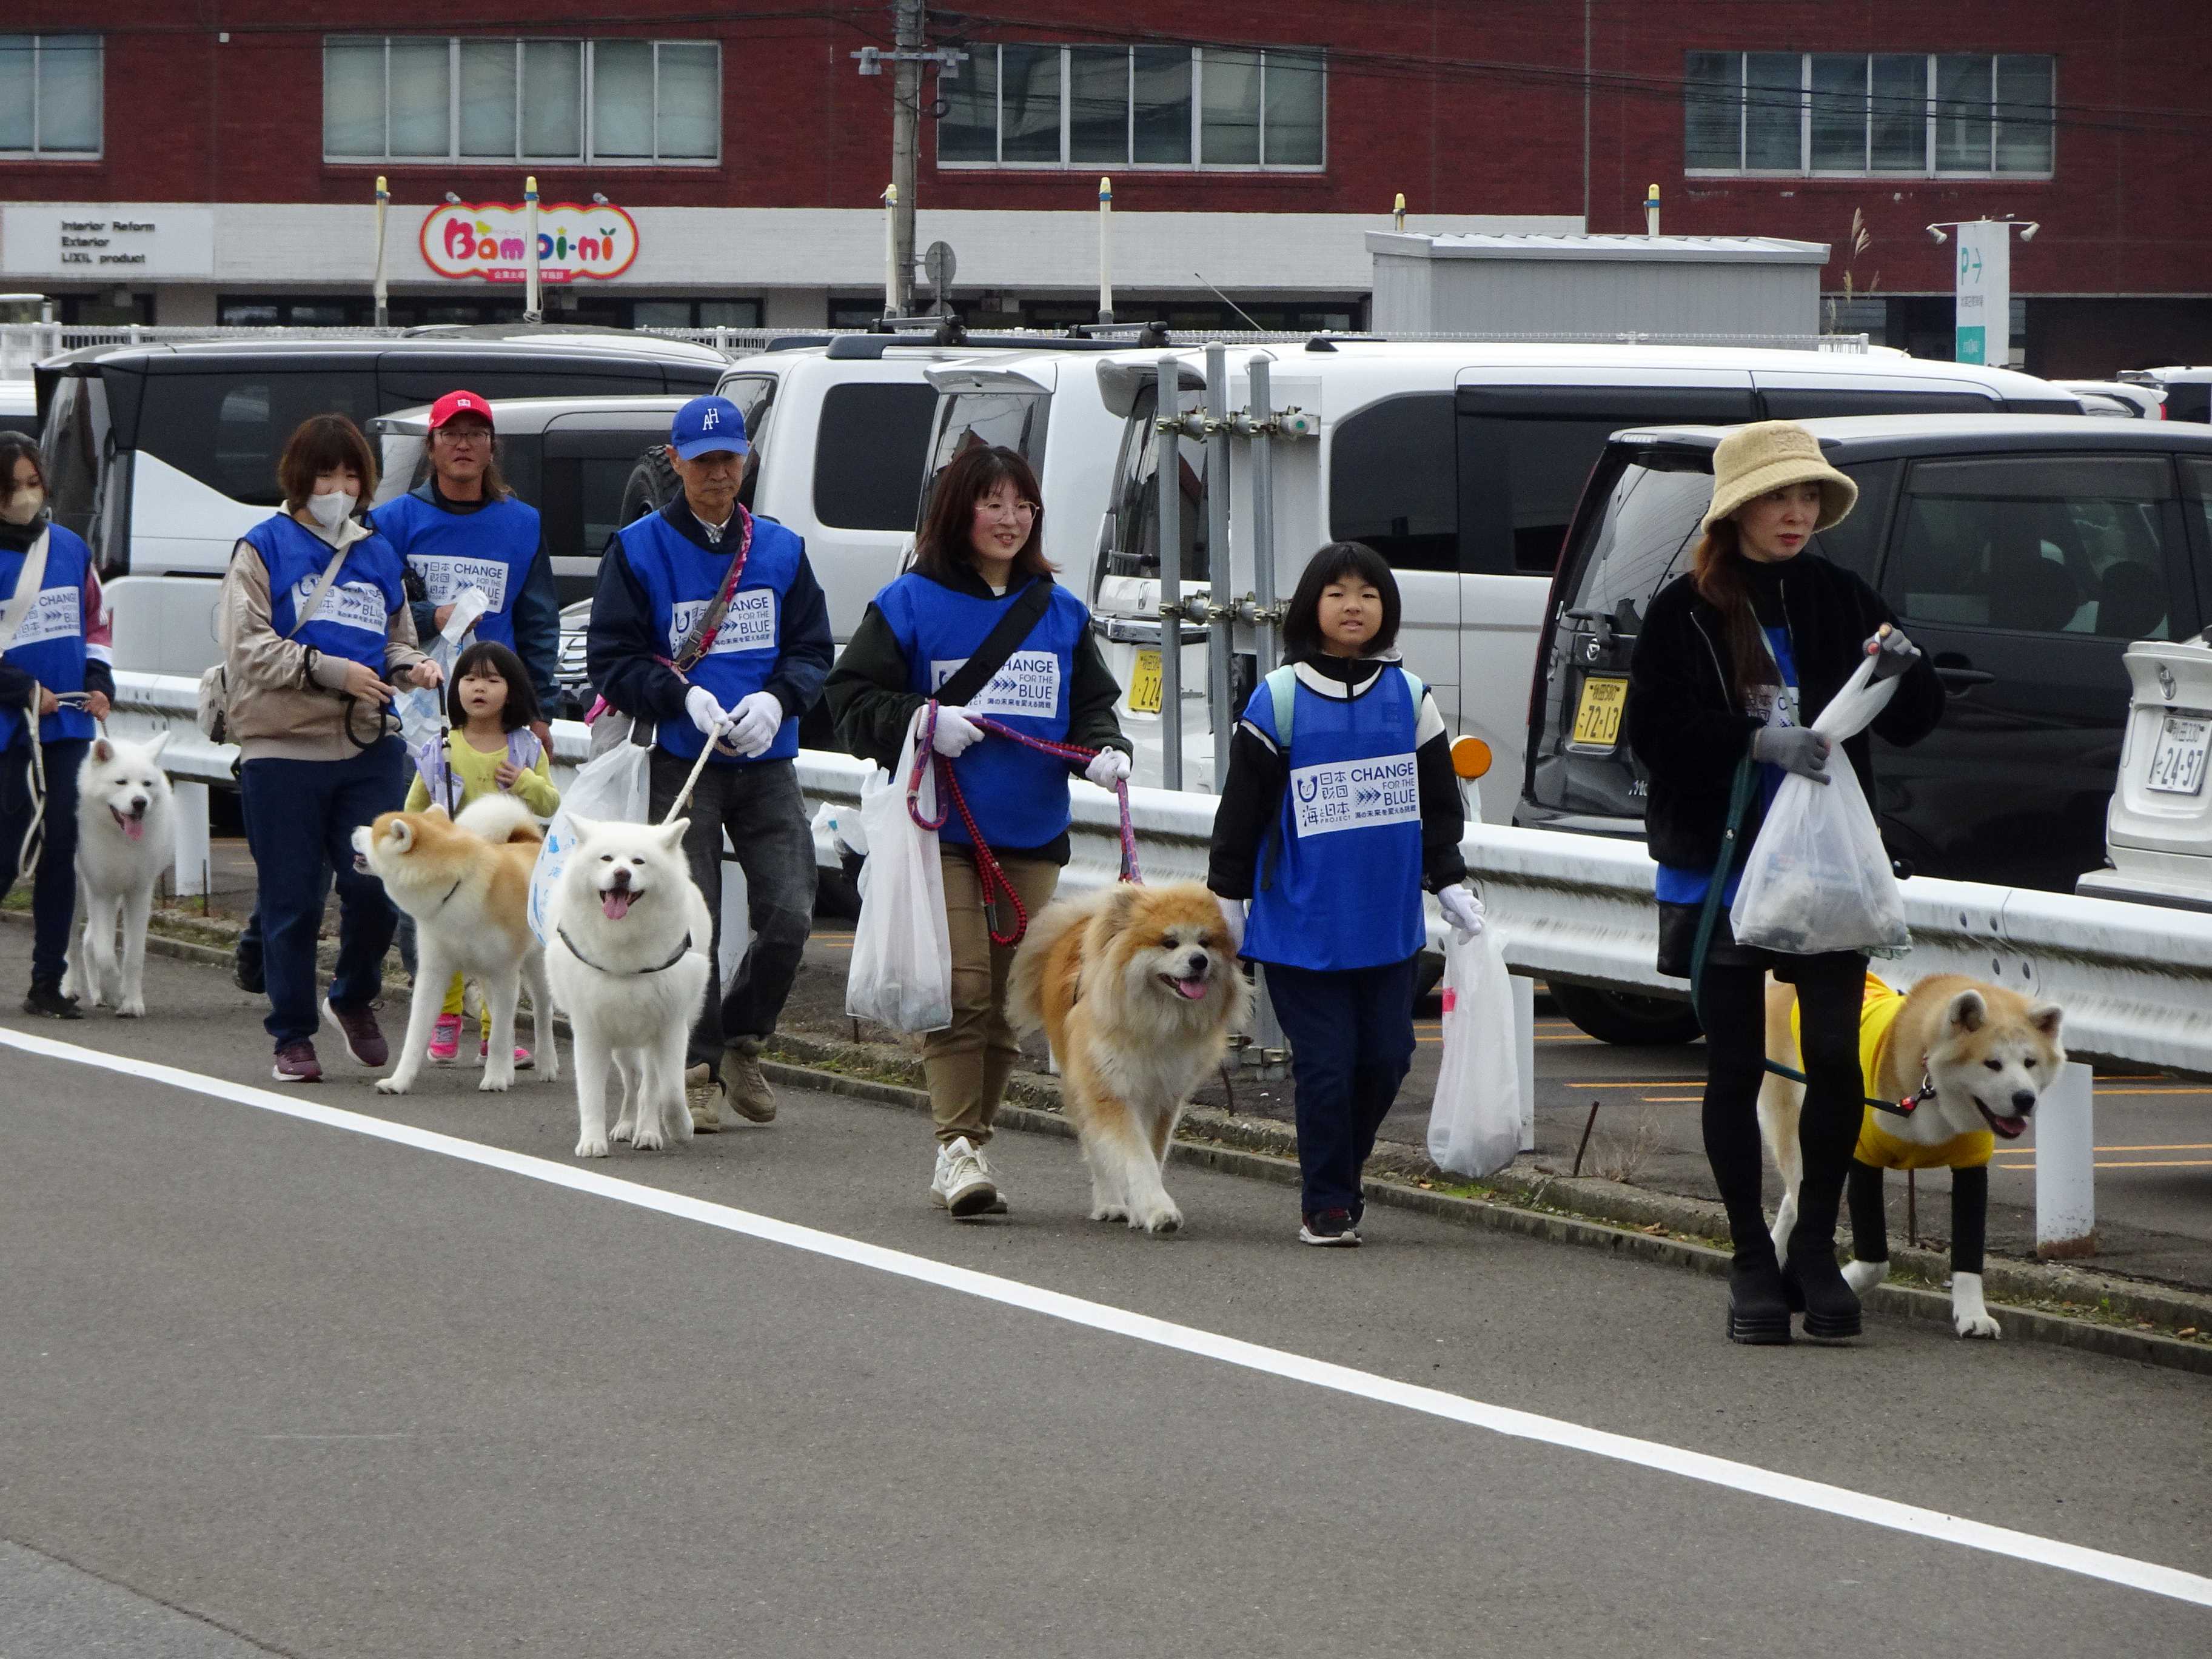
[(1984, 1055), (1138, 989), (466, 882)]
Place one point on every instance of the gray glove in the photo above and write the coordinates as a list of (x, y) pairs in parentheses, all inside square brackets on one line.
[(1797, 748), (1892, 653)]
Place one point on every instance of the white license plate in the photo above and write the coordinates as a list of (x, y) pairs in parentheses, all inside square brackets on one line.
[(2177, 764)]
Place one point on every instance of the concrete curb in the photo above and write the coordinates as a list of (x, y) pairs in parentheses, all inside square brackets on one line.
[(2034, 1300)]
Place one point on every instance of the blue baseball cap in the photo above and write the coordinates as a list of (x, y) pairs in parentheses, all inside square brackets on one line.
[(706, 425)]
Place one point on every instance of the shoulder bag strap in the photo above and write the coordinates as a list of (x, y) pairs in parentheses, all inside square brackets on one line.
[(322, 587), (1283, 693), (1005, 638), (29, 581), (701, 639)]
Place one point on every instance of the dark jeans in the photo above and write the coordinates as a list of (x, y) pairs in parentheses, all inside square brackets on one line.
[(760, 806), (1732, 1001), (53, 890), (1351, 1044), (300, 820)]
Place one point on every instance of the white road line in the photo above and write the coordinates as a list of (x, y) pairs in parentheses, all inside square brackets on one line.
[(1817, 1495)]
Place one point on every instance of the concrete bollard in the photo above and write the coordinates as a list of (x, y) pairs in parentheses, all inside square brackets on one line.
[(2065, 1166), (189, 838)]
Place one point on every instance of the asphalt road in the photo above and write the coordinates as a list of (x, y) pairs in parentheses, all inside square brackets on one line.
[(342, 1388)]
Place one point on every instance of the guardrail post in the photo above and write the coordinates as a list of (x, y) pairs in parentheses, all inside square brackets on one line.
[(189, 838), (1524, 1050), (2066, 1165), (1168, 471)]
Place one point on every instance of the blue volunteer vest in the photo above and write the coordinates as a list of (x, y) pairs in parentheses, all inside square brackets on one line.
[(1018, 796), (355, 617), (681, 578), (1339, 881), (492, 547), (49, 645)]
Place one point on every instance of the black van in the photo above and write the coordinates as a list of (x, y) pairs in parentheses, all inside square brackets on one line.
[(2023, 553)]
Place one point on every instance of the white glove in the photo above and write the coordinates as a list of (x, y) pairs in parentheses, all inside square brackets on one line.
[(1107, 768), (709, 715), (1462, 910), (1232, 918), (756, 722), (955, 733)]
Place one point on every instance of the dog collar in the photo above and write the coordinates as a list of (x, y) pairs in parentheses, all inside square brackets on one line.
[(682, 951)]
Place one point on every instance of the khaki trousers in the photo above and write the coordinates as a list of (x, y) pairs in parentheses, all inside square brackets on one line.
[(968, 1062)]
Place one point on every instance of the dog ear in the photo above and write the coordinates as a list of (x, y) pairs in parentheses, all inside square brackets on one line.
[(1120, 904), (153, 748), (1967, 1011), (671, 834), (437, 810), (583, 826), (102, 751), (2045, 1017), (402, 833)]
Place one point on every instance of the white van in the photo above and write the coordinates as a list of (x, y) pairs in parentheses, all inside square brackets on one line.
[(1462, 464)]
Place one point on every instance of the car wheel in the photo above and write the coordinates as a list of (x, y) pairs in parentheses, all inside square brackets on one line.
[(1621, 1017), (652, 485)]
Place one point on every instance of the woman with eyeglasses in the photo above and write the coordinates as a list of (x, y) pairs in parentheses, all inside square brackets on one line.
[(979, 557)]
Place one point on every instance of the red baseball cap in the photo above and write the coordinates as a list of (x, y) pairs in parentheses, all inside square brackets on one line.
[(458, 403)]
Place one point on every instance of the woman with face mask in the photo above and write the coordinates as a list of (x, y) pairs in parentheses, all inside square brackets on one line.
[(55, 684), (315, 631)]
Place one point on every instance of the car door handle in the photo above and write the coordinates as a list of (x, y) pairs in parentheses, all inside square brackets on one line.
[(1957, 672)]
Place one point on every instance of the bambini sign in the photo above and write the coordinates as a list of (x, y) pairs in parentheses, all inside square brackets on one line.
[(485, 239)]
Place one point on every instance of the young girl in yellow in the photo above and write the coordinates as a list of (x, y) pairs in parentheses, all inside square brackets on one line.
[(489, 751)]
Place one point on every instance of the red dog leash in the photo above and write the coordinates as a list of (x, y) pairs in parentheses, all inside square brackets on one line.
[(987, 872)]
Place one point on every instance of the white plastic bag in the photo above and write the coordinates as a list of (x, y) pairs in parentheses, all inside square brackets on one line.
[(1818, 877), (1475, 1127), (422, 708), (614, 787), (902, 971)]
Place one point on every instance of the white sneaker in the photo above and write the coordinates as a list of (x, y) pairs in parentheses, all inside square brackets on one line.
[(962, 1181)]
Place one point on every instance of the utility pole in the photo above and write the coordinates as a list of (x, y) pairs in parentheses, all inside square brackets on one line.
[(908, 58), (906, 143)]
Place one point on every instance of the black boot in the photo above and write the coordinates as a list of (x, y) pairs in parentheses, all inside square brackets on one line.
[(1757, 1312), (46, 1000), (1810, 1276)]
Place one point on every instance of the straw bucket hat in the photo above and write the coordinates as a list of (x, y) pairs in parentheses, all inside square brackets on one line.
[(1767, 455)]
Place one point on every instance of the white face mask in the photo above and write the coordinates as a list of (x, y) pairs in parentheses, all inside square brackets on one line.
[(333, 509), (23, 504)]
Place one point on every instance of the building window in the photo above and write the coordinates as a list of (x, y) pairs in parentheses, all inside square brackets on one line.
[(1142, 107), (49, 88), (632, 103), (1868, 114)]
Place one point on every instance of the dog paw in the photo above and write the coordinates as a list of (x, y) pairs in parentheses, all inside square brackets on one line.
[(391, 1085), (497, 1083), (1160, 1218), (1974, 1325), (623, 1127), (130, 1008), (590, 1147), (1109, 1212), (1863, 1276)]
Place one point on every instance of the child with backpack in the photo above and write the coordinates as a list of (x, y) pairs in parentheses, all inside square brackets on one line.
[(1340, 806)]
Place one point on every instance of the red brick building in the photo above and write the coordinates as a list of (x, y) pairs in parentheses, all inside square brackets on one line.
[(218, 158)]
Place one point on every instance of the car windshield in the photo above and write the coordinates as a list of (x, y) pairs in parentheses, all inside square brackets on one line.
[(1648, 522)]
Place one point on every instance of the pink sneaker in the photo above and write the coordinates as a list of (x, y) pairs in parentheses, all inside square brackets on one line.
[(522, 1061), (446, 1040)]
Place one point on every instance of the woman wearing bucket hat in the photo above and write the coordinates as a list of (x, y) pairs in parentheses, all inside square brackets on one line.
[(1735, 657)]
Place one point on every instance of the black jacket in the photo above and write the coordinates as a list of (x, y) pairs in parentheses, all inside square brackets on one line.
[(625, 649), (1251, 808), (869, 698), (1686, 720)]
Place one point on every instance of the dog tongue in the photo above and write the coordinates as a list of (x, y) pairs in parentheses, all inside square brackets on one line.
[(135, 829), (1193, 989), (615, 902)]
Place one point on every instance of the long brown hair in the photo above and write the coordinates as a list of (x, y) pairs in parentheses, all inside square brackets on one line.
[(942, 546), (1717, 569)]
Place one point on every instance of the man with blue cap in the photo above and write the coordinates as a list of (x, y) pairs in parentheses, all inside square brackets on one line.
[(708, 626)]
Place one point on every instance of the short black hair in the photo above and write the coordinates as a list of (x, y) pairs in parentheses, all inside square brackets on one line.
[(1302, 639), (521, 707)]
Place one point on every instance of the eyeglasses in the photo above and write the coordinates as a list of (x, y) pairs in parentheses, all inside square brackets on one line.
[(466, 435), (1019, 510)]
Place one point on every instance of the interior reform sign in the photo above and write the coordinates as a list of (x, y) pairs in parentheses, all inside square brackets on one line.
[(1984, 318), (106, 241), (485, 239)]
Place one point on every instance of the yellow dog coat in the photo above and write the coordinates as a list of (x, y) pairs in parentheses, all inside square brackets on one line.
[(1877, 1146)]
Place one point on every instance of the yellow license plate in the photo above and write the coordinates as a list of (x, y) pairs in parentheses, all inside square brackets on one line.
[(1597, 717), (1145, 684)]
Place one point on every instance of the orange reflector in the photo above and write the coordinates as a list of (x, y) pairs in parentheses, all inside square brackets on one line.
[(1470, 757)]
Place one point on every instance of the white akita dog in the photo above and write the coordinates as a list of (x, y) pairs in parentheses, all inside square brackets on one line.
[(628, 960), (126, 814)]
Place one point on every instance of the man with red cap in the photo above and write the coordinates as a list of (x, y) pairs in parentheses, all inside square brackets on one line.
[(465, 528)]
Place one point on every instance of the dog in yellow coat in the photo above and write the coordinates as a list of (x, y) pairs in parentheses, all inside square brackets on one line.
[(1975, 1057)]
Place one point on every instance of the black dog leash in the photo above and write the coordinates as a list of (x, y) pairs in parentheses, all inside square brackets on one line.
[(1740, 791)]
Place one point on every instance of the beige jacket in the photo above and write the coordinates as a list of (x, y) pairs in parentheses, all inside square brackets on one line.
[(287, 701)]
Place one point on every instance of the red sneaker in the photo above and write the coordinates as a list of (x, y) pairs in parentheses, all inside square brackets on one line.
[(523, 1060), (363, 1040)]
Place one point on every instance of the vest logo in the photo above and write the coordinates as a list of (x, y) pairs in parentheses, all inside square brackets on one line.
[(1360, 794), (57, 614), (347, 605), (748, 625), (489, 241), (1027, 688), (445, 577)]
